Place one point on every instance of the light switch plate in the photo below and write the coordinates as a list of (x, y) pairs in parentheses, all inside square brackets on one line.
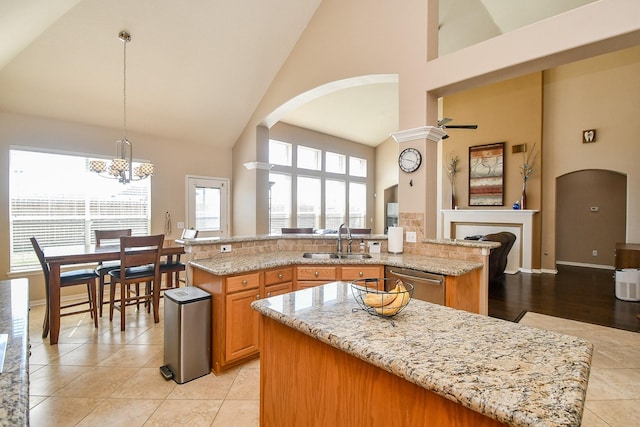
[(225, 248), (180, 225), (411, 236)]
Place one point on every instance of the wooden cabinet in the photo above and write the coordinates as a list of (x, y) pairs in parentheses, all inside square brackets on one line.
[(627, 255), (278, 281), (308, 276), (234, 324)]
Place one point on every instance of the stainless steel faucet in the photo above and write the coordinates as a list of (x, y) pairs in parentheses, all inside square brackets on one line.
[(348, 237)]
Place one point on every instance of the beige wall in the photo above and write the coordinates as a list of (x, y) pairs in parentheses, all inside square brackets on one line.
[(599, 93), (347, 39), (173, 160)]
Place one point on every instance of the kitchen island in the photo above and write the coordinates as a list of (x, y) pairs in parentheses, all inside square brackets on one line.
[(324, 361)]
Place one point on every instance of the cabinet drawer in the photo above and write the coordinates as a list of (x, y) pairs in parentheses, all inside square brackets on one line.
[(277, 276), (279, 289), (361, 272), (316, 273), (243, 282)]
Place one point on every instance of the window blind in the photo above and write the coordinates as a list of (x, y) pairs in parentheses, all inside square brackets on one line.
[(55, 198)]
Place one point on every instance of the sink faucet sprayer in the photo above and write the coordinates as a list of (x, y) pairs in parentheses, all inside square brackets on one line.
[(348, 237)]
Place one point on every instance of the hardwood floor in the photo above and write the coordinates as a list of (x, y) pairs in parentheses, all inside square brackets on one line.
[(576, 293)]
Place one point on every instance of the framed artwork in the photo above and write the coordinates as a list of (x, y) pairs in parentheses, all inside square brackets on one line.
[(486, 178)]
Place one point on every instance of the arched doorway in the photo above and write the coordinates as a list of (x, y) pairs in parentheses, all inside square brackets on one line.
[(591, 215)]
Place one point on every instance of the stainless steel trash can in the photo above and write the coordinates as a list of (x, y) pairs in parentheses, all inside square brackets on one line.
[(187, 334)]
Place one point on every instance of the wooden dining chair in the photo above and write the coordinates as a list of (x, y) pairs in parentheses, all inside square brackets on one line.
[(86, 277), (105, 237), (171, 268), (139, 264)]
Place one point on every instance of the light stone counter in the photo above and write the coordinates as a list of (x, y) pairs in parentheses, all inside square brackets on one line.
[(512, 373), (230, 263), (14, 379)]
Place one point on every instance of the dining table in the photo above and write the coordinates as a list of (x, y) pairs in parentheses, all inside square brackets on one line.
[(59, 256)]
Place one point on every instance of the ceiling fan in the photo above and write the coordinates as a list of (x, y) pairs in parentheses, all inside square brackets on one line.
[(442, 124)]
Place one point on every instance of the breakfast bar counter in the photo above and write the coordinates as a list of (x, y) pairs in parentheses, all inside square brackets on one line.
[(325, 361)]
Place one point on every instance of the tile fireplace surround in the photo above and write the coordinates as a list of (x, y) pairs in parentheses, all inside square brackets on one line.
[(460, 223)]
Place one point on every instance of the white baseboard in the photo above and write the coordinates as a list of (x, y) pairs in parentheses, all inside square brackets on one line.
[(582, 264)]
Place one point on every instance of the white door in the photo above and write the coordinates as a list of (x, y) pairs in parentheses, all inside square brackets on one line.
[(208, 206)]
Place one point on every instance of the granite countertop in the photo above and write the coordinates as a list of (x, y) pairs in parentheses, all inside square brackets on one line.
[(230, 263), (518, 375), (14, 379)]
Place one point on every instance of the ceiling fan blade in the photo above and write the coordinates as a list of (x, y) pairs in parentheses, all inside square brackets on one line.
[(443, 122), (461, 127)]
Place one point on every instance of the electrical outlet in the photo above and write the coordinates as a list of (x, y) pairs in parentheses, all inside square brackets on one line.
[(225, 248), (180, 225), (594, 252), (411, 236)]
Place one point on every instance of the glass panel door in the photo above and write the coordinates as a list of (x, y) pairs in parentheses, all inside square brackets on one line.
[(207, 206)]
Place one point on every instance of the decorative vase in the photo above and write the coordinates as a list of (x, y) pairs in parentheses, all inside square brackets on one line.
[(453, 200), (523, 196)]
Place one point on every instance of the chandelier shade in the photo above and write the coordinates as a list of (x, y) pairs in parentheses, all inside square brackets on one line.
[(121, 167)]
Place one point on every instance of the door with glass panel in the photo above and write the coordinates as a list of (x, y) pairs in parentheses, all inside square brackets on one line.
[(208, 206)]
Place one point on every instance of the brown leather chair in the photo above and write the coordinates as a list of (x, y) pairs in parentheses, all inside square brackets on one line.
[(139, 263), (498, 256), (86, 277), (107, 237)]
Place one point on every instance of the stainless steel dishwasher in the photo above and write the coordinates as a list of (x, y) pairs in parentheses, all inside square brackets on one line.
[(426, 286)]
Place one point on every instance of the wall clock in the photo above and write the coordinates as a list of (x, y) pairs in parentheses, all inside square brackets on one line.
[(409, 160)]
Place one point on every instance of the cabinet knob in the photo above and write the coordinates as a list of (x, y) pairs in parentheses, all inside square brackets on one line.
[(244, 282), (268, 294), (361, 274), (280, 275), (258, 296), (315, 273)]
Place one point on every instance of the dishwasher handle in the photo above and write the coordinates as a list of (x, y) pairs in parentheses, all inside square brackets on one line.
[(439, 282)]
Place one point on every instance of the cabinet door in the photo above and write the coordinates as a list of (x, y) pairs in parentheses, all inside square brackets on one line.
[(241, 333)]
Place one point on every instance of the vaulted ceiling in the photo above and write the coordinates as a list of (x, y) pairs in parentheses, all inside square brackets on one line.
[(196, 71)]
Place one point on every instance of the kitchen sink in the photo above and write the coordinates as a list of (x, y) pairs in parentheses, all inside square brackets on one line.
[(334, 255), (354, 256), (320, 255)]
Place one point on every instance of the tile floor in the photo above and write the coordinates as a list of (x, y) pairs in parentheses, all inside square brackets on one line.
[(111, 378), (107, 377), (613, 394)]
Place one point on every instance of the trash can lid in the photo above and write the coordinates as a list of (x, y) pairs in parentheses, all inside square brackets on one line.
[(186, 294)]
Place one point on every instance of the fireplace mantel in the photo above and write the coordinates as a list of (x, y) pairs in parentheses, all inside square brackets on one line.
[(485, 221)]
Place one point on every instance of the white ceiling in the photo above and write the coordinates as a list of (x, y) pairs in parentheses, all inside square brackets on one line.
[(197, 72)]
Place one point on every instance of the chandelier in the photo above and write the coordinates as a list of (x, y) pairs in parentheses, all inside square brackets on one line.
[(121, 167)]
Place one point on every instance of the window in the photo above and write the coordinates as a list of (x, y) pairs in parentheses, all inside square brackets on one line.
[(279, 153), (311, 194), (308, 202), (357, 167), (336, 163), (279, 202), (56, 199), (309, 158), (357, 205)]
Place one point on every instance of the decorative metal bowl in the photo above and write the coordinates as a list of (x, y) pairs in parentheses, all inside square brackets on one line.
[(381, 297)]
